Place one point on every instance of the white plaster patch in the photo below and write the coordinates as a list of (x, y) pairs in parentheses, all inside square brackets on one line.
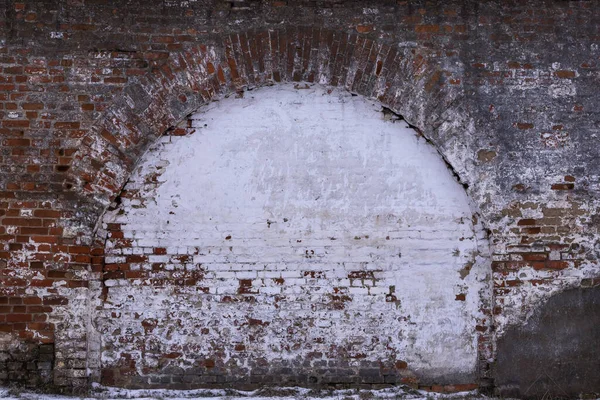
[(347, 231)]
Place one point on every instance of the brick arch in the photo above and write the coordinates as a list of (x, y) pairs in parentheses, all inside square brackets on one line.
[(407, 80)]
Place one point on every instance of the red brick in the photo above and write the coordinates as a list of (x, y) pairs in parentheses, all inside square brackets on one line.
[(33, 106), (563, 186), (526, 222), (19, 317), (67, 125), (564, 74), (364, 28), (524, 125)]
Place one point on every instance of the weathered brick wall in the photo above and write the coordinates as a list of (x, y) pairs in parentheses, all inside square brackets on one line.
[(506, 91)]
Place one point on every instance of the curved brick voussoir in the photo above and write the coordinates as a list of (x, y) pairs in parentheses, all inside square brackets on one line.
[(407, 81), (147, 108), (233, 258)]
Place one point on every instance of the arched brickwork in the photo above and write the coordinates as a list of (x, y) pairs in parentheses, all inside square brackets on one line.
[(408, 81), (357, 249), (405, 80)]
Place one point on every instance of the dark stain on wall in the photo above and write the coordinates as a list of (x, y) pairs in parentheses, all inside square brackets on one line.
[(557, 352)]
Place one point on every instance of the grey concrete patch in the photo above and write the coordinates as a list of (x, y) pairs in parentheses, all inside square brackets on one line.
[(557, 353)]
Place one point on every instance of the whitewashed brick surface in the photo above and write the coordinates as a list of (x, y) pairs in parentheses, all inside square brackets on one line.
[(346, 230)]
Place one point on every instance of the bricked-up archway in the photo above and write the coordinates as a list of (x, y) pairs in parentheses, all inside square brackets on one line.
[(406, 80), (294, 236)]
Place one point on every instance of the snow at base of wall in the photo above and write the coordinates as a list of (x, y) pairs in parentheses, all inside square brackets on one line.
[(291, 393)]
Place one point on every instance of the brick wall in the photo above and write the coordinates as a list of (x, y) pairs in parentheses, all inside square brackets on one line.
[(506, 91)]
